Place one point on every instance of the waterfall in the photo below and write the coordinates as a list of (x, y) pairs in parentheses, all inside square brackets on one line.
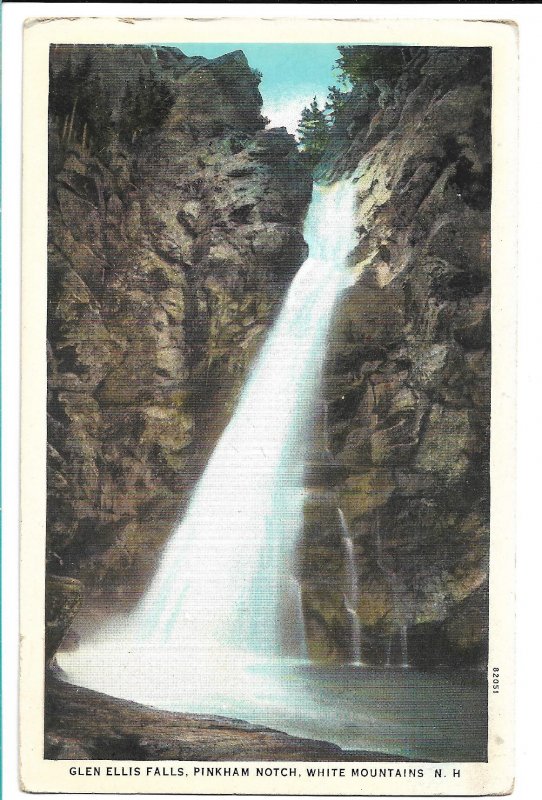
[(325, 426), (222, 595), (398, 600), (388, 650), (404, 645), (297, 646), (351, 596)]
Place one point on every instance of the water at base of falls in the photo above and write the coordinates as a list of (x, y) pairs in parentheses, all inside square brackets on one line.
[(437, 716), (224, 599)]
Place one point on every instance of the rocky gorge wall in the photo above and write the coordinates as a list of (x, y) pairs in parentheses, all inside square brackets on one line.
[(168, 255), (404, 428)]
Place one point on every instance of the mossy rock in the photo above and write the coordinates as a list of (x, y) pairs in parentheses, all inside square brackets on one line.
[(370, 314), (376, 604), (365, 493), (63, 598), (319, 508), (467, 627), (445, 446), (326, 625)]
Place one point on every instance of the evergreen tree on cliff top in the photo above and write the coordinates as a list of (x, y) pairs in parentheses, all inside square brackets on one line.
[(370, 63), (144, 106), (335, 102), (313, 131), (80, 104)]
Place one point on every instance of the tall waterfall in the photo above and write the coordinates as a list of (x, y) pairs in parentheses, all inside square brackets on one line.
[(224, 594)]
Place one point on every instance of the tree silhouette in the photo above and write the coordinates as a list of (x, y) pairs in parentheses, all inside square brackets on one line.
[(83, 109), (144, 107), (80, 104)]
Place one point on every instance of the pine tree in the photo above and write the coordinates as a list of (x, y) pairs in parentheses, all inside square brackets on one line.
[(144, 106), (335, 102), (313, 131), (361, 63), (96, 113), (80, 104)]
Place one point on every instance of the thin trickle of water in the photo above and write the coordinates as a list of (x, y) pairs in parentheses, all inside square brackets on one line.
[(325, 426), (222, 596), (351, 596), (404, 645), (398, 599), (388, 650)]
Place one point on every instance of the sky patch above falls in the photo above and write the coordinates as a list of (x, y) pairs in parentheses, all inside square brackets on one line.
[(292, 74)]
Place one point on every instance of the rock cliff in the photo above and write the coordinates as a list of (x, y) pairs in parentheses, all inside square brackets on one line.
[(170, 247), (404, 429)]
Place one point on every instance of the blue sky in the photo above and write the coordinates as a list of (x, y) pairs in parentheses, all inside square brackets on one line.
[(292, 74)]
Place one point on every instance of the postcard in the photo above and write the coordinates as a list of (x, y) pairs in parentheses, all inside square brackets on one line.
[(267, 419)]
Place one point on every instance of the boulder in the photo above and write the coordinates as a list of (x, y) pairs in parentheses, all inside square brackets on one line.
[(272, 144), (396, 444), (280, 247), (64, 598), (445, 444), (472, 323)]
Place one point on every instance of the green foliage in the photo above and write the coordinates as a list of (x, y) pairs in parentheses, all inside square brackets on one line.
[(356, 65), (82, 107), (144, 107), (369, 63), (81, 104), (313, 131), (335, 102), (97, 113), (66, 85)]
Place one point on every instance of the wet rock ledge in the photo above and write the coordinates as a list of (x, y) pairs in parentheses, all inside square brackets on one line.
[(82, 724)]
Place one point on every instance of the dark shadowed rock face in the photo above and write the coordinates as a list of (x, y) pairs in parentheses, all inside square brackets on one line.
[(407, 389), (168, 256), (64, 598)]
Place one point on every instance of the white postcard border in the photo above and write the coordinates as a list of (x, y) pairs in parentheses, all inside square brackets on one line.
[(41, 775)]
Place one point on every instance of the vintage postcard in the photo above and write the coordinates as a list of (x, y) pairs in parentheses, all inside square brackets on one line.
[(268, 420)]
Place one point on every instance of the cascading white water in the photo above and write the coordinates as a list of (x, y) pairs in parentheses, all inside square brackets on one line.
[(351, 596), (297, 625), (222, 597)]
